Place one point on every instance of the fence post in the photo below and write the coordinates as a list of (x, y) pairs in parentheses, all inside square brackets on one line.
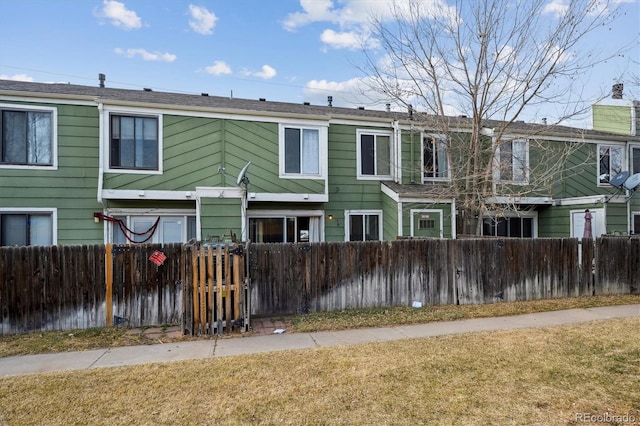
[(108, 276)]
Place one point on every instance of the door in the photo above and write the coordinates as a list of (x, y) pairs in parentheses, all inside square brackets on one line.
[(426, 224)]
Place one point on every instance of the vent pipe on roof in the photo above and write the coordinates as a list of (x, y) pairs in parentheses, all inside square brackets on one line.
[(262, 99), (544, 121), (330, 100), (388, 107), (616, 91), (410, 112), (101, 78)]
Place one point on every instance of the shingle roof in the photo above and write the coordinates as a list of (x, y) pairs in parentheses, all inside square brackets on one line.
[(168, 99)]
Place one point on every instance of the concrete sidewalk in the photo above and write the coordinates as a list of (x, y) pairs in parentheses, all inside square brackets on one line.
[(130, 355)]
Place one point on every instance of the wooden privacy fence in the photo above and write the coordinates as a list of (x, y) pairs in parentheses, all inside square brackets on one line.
[(78, 287), (214, 291), (298, 278)]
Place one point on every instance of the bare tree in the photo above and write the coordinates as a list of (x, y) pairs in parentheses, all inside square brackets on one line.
[(482, 66)]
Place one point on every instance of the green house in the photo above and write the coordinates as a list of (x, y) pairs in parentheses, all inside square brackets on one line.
[(86, 165)]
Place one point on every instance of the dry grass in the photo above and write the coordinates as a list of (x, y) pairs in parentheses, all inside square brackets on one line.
[(359, 318), (78, 340), (522, 377)]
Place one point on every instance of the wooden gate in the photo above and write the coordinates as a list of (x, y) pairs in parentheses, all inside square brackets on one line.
[(215, 291)]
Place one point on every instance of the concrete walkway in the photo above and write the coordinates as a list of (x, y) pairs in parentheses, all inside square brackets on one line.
[(211, 348)]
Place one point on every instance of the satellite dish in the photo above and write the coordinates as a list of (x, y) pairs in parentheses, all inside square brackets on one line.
[(242, 177), (619, 179), (632, 182)]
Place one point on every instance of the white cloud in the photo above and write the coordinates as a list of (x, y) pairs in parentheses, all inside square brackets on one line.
[(557, 7), (348, 40), (218, 68), (16, 77), (313, 11), (266, 73), (202, 21), (119, 15), (147, 56)]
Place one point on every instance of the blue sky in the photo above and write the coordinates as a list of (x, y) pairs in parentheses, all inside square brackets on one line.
[(282, 50)]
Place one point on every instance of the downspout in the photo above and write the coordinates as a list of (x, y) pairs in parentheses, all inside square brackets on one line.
[(100, 152), (397, 136), (454, 231)]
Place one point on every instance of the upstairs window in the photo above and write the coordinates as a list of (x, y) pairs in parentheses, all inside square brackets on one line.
[(27, 136), (435, 158), (374, 155), (301, 151), (133, 142), (513, 161), (635, 160), (611, 159), (26, 229)]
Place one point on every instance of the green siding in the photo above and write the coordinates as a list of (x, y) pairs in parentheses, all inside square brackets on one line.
[(220, 217), (390, 219), (445, 211), (617, 219), (194, 148), (613, 119), (72, 188)]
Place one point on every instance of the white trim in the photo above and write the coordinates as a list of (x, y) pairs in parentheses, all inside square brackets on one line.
[(496, 161), (219, 192), (251, 214), (520, 214), (363, 212), (105, 125), (100, 154), (454, 212), (288, 197), (142, 194), (141, 212), (632, 146), (48, 98), (52, 210), (624, 161), (413, 212), (438, 137), (54, 136), (323, 141), (509, 199), (400, 220), (392, 163), (574, 201)]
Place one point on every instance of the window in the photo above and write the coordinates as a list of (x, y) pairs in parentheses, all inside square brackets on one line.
[(301, 151), (610, 162), (636, 223), (514, 227), (635, 160), (374, 154), (153, 229), (287, 228), (26, 229), (364, 225), (134, 142), (513, 161), (434, 158), (28, 136)]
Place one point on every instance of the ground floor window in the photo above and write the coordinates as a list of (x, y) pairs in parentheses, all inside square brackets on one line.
[(636, 223), (127, 229), (364, 225), (286, 228), (514, 227), (26, 228)]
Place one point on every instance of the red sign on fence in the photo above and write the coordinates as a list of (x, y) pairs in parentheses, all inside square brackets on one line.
[(158, 257)]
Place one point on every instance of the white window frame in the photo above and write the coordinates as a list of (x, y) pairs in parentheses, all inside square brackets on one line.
[(106, 132), (375, 133), (37, 210), (498, 160), (135, 213), (54, 136), (622, 161), (349, 213), (634, 214), (415, 212), (439, 138), (531, 215), (284, 214), (632, 147), (322, 149)]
